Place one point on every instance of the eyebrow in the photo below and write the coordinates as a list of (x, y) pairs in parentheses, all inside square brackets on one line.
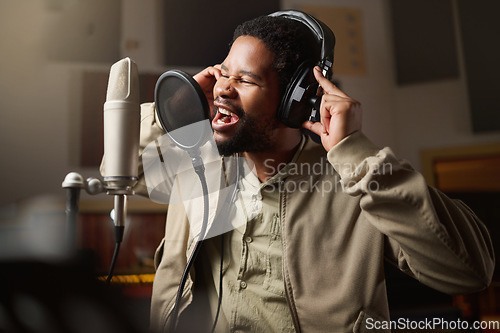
[(244, 72)]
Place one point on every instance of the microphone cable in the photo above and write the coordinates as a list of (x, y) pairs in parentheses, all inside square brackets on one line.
[(119, 230), (200, 171)]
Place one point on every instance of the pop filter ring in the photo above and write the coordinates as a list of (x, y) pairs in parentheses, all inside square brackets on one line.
[(197, 92)]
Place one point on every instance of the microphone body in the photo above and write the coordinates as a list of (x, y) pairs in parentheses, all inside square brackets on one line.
[(121, 134), (121, 127)]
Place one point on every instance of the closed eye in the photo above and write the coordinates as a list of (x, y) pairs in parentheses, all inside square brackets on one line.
[(243, 81), (242, 76), (247, 82)]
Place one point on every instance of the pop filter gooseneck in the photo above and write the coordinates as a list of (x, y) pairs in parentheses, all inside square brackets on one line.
[(182, 109)]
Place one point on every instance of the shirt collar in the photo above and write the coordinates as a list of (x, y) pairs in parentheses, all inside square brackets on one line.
[(280, 175)]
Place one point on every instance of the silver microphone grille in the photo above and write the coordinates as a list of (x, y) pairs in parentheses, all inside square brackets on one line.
[(121, 81)]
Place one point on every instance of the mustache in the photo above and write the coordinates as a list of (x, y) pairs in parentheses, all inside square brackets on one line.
[(235, 109)]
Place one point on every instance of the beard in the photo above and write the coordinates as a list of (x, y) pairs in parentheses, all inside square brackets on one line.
[(252, 135)]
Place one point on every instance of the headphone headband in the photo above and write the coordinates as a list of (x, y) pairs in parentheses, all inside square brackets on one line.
[(321, 31)]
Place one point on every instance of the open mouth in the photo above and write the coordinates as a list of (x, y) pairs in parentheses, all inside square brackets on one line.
[(224, 116), (224, 119)]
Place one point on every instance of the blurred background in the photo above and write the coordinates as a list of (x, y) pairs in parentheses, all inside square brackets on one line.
[(425, 71)]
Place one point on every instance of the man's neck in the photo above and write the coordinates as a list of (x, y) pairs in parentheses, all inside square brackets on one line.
[(266, 164)]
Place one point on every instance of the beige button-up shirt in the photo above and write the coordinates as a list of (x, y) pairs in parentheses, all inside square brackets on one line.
[(253, 297)]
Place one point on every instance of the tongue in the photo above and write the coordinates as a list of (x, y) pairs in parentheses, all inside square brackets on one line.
[(226, 119), (229, 119)]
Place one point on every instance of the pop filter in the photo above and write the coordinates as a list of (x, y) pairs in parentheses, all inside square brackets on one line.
[(182, 109)]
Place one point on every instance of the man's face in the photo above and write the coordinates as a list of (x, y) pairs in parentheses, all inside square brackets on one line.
[(246, 98)]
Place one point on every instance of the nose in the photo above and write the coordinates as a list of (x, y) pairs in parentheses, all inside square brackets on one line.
[(224, 87)]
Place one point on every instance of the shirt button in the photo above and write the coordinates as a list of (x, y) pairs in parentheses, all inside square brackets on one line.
[(243, 284), (248, 239)]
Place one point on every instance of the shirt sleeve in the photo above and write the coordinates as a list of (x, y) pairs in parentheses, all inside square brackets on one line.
[(437, 240)]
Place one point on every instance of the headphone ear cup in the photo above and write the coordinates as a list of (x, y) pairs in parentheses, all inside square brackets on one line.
[(298, 100)]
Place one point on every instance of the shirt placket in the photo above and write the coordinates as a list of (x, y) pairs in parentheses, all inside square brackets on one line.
[(246, 238), (252, 208)]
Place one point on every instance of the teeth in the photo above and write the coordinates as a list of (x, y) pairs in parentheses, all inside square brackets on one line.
[(226, 112)]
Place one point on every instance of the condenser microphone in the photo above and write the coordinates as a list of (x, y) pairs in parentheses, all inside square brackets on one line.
[(121, 134)]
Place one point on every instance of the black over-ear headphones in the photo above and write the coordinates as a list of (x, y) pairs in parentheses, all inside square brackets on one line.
[(302, 92)]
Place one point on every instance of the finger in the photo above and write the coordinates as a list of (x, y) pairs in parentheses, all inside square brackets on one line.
[(327, 85), (216, 72), (316, 128), (208, 74), (324, 114)]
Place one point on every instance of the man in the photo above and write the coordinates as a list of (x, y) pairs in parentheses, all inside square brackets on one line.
[(319, 219)]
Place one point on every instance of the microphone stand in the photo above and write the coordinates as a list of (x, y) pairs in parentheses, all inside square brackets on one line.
[(74, 183)]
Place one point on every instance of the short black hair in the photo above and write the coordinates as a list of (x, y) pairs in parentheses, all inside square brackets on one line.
[(290, 41)]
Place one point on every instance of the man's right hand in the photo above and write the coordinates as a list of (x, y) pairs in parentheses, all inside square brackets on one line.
[(206, 79), (340, 114)]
